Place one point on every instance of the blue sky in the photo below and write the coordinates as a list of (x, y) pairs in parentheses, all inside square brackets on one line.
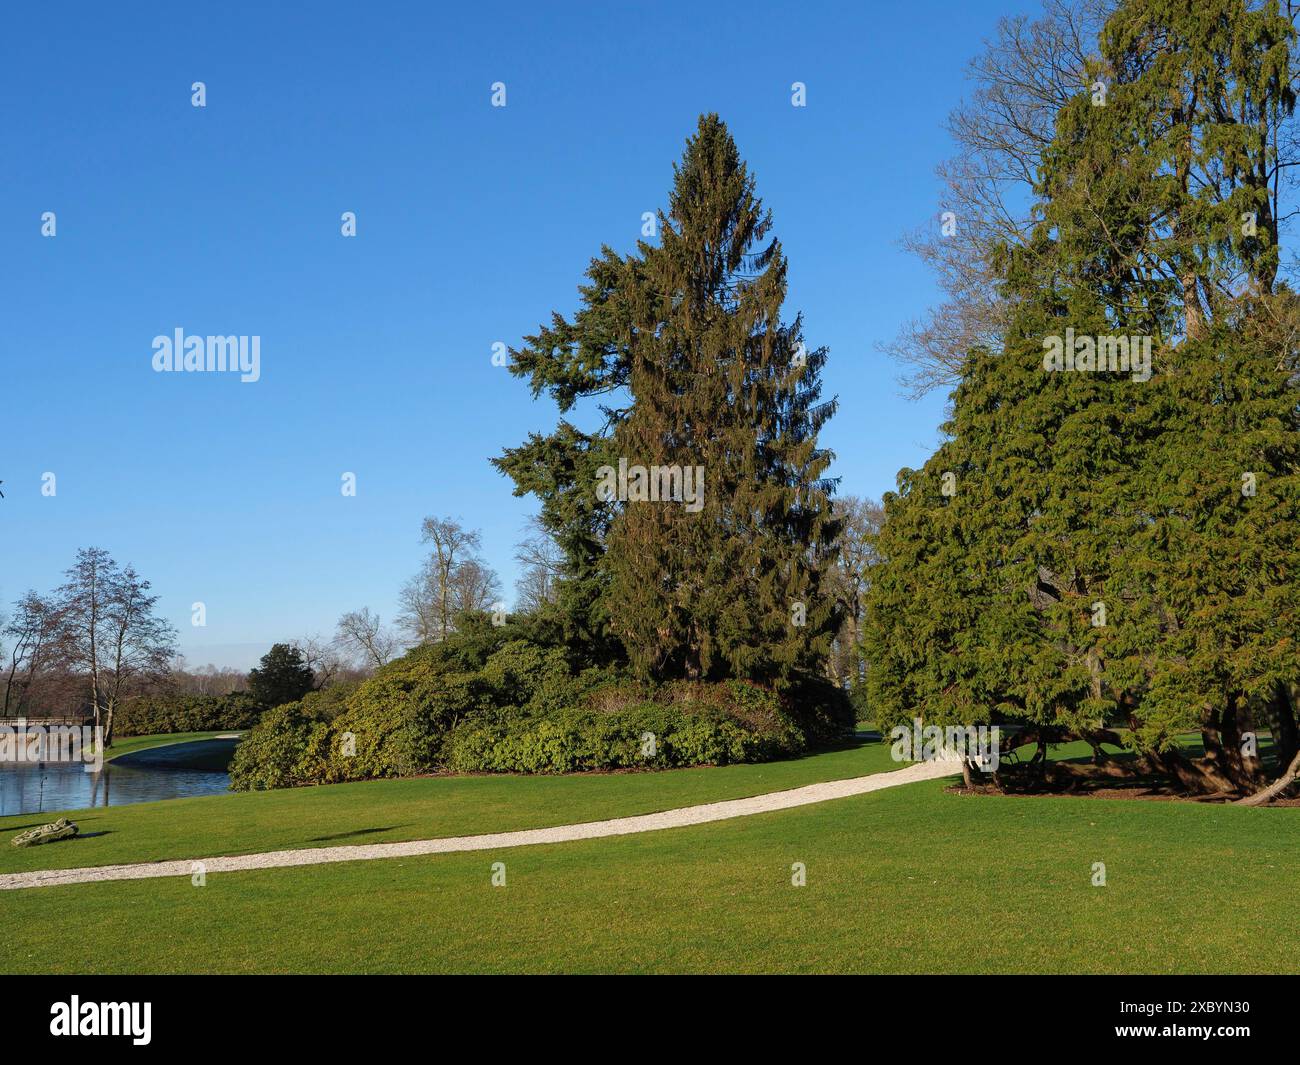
[(474, 223)]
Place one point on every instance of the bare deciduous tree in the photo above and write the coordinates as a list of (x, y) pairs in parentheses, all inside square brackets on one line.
[(851, 577), (542, 560), (452, 579), (419, 599), (111, 631), (322, 657), (474, 587), (362, 634), (33, 632), (1022, 78)]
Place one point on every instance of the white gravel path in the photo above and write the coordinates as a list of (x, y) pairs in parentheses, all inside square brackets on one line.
[(618, 826)]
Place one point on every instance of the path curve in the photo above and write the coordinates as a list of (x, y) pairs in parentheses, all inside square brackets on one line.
[(618, 826)]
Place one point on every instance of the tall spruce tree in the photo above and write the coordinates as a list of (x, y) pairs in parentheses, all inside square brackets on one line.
[(572, 361), (1088, 548), (689, 331)]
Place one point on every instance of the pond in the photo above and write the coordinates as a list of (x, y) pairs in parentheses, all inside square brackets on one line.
[(145, 776)]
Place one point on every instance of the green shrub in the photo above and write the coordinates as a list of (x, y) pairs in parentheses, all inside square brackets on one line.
[(328, 703), (861, 710), (823, 709), (688, 724), (391, 725), (521, 674), (179, 712), (283, 750), (396, 722), (490, 700)]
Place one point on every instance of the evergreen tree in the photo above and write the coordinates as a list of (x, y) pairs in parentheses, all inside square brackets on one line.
[(689, 331), (1081, 551), (560, 469), (281, 677)]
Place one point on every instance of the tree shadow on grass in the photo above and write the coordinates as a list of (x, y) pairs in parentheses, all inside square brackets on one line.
[(357, 832), (852, 743), (53, 816)]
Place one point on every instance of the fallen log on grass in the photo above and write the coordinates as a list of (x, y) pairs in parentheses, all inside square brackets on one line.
[(1275, 789), (33, 837)]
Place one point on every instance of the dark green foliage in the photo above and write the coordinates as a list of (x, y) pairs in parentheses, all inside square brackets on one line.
[(282, 676), (641, 735), (284, 750), (719, 382), (861, 704), (822, 708), (690, 332), (519, 707), (560, 470), (1095, 561), (180, 712)]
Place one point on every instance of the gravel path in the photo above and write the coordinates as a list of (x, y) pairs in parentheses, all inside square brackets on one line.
[(619, 826)]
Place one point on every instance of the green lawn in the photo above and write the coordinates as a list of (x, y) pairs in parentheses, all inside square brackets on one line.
[(911, 879), (390, 810)]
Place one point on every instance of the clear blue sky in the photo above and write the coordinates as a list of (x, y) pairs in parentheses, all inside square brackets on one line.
[(474, 223)]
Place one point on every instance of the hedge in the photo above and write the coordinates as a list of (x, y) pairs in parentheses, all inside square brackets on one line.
[(178, 712)]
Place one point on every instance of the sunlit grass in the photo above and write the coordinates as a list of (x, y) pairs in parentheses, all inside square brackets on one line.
[(389, 810), (910, 879)]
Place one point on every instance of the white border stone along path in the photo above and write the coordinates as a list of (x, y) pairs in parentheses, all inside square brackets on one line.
[(618, 826)]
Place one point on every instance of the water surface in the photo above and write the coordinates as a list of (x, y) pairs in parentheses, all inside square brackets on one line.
[(53, 787)]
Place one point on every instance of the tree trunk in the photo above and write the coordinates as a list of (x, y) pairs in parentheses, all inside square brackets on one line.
[(1203, 777), (1193, 313), (1223, 734), (9, 687), (1282, 721), (1275, 789), (1096, 737)]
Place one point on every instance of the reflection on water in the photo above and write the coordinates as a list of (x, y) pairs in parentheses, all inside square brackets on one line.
[(51, 787)]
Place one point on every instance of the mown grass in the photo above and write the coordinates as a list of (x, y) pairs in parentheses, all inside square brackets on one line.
[(391, 810), (911, 879)]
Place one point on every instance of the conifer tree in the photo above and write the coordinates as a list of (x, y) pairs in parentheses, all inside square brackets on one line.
[(689, 330), (1094, 546)]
